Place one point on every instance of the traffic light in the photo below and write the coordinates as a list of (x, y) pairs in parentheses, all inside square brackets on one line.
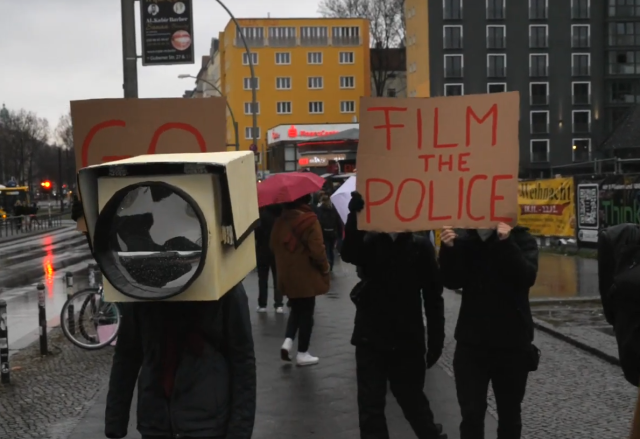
[(46, 186)]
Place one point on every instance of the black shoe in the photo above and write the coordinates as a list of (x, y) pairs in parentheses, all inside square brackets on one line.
[(440, 434)]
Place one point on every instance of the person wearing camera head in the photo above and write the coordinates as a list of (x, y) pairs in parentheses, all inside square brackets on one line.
[(193, 363), (398, 275), (494, 268)]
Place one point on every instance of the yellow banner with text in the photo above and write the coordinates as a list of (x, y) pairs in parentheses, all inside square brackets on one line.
[(547, 207)]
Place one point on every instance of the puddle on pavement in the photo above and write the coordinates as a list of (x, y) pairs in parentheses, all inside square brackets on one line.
[(565, 276)]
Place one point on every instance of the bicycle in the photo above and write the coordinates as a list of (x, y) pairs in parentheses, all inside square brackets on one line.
[(92, 331)]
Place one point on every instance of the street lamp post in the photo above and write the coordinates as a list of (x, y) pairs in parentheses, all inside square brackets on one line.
[(233, 119), (254, 104)]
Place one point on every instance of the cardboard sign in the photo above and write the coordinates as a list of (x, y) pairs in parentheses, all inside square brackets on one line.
[(428, 163), (106, 130)]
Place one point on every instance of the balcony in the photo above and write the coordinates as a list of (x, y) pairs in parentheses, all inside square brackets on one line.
[(346, 41), (581, 127), (495, 13), (314, 41), (538, 13), (580, 12), (283, 42), (540, 100), (457, 72), (582, 99), (497, 72), (539, 128), (538, 71), (251, 42), (581, 70)]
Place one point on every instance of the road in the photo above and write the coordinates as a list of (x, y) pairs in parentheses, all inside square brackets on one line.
[(38, 259)]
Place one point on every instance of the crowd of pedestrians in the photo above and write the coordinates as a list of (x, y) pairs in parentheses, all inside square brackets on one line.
[(400, 275)]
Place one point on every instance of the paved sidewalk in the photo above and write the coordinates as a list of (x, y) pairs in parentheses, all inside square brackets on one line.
[(320, 401)]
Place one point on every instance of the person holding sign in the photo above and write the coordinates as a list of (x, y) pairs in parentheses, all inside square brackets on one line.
[(398, 273), (494, 268)]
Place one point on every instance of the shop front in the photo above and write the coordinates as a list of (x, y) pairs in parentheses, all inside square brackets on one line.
[(296, 147)]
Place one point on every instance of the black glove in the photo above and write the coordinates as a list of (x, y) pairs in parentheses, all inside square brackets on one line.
[(433, 355), (357, 202), (76, 209)]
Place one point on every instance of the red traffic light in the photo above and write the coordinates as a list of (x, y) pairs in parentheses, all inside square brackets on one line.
[(46, 184)]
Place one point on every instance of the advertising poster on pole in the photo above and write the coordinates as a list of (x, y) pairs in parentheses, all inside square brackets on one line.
[(167, 32), (428, 163), (546, 207)]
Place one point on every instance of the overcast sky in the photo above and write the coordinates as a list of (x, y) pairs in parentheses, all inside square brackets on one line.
[(55, 51)]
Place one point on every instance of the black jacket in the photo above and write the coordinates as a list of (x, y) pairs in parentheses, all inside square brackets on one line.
[(214, 391), (495, 277), (398, 278), (268, 216), (329, 221)]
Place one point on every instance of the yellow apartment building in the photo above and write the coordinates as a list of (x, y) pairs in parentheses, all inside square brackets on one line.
[(308, 71), (417, 47)]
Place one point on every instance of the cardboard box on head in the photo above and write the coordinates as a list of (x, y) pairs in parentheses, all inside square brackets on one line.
[(172, 226)]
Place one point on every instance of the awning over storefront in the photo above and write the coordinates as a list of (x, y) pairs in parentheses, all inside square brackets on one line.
[(304, 133), (347, 136)]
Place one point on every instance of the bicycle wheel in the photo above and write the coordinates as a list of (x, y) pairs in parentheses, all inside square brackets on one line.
[(88, 321)]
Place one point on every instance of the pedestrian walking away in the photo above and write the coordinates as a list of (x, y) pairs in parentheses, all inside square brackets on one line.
[(266, 261), (303, 272), (331, 227), (494, 268), (398, 274)]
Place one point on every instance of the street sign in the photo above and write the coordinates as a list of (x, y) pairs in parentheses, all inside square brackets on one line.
[(253, 148), (167, 32)]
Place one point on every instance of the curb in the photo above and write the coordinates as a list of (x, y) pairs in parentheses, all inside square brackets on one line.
[(564, 301), (549, 329)]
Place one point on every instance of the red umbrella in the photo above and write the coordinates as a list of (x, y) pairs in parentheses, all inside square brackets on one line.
[(288, 187)]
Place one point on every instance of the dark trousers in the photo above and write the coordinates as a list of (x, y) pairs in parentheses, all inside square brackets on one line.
[(506, 369), (330, 245), (301, 320), (405, 372), (264, 266)]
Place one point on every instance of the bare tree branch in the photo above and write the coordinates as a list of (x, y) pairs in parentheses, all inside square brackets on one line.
[(387, 31)]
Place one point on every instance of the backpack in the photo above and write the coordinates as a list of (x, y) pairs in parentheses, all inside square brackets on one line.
[(327, 221), (619, 285)]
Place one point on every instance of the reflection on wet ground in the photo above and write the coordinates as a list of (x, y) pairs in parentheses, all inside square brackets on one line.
[(565, 276)]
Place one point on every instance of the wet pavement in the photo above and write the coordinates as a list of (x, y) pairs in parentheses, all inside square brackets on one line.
[(565, 277)]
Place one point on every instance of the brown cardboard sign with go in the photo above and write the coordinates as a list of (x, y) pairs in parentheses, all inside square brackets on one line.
[(424, 164), (106, 130)]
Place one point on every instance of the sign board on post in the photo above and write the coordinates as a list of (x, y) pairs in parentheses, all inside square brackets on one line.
[(428, 163), (167, 32), (546, 207), (105, 130)]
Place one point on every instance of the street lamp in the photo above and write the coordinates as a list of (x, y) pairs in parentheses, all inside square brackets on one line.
[(254, 105), (235, 124)]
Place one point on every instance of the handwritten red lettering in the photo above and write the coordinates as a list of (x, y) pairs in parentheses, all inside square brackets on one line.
[(460, 196), (367, 198), (472, 182), (431, 205), (416, 213), (92, 133), (494, 198), (436, 132), (462, 162), (387, 119), (443, 163), (176, 126), (426, 158), (493, 112)]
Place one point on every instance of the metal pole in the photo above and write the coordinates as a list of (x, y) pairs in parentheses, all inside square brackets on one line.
[(233, 119), (42, 320), (5, 370), (71, 311), (254, 99), (60, 179), (129, 51)]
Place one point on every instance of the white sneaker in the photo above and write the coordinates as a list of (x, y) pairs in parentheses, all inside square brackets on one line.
[(306, 359), (262, 310), (279, 310), (284, 350)]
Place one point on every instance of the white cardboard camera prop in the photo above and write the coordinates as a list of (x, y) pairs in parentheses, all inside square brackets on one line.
[(172, 226)]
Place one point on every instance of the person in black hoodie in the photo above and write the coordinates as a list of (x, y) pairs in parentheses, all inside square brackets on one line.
[(265, 259), (399, 274), (494, 269), (331, 227), (194, 364)]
